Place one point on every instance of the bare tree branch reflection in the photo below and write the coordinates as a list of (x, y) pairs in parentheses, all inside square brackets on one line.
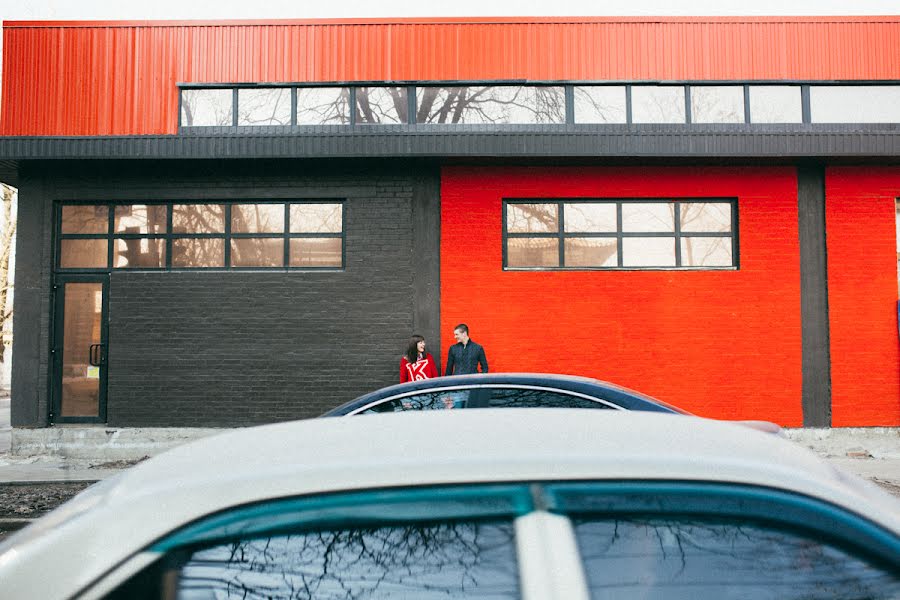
[(452, 560), (689, 558)]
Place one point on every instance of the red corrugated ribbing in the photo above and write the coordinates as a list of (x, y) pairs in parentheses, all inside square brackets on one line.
[(103, 78)]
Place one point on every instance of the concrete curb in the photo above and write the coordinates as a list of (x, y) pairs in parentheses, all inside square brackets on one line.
[(93, 443), (849, 442)]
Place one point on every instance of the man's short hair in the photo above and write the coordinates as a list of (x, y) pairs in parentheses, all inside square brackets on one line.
[(462, 327)]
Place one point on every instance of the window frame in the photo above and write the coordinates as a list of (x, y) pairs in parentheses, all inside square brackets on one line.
[(169, 237), (412, 87), (619, 235)]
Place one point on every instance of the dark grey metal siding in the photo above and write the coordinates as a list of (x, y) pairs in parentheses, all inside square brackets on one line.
[(816, 361), (240, 348)]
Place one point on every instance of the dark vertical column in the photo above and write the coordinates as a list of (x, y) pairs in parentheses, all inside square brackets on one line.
[(28, 406), (426, 247), (814, 297)]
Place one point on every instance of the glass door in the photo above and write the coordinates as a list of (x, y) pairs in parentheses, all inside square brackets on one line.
[(80, 349)]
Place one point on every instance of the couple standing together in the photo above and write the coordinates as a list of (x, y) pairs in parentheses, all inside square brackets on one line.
[(463, 358)]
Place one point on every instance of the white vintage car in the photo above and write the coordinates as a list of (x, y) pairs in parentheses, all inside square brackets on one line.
[(489, 504)]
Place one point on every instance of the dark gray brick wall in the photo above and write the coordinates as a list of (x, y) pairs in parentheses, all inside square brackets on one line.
[(208, 349)]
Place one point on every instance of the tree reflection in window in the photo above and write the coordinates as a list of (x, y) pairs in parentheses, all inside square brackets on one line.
[(443, 400), (692, 558), (491, 105), (473, 560), (381, 105)]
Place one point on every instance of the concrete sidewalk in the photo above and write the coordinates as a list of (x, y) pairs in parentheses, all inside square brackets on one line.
[(870, 452)]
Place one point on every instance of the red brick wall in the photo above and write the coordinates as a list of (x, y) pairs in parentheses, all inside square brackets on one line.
[(862, 295), (718, 343)]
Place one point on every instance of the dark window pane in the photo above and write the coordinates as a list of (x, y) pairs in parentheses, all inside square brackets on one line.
[(775, 104), (717, 104), (140, 218), (532, 218), (85, 219), (257, 252), (648, 252), (140, 253), (600, 104), (323, 106), (522, 398), (706, 252), (683, 558), (316, 252), (591, 252), (711, 217), (590, 217), (425, 401), (532, 252), (198, 218), (206, 252), (644, 218), (206, 108), (425, 562), (83, 254), (491, 104), (657, 104), (316, 218), (381, 105), (265, 106), (257, 218)]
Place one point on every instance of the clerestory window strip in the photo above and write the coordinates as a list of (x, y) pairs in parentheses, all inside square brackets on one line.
[(243, 107)]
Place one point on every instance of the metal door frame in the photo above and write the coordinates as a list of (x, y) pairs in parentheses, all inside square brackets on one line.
[(56, 351)]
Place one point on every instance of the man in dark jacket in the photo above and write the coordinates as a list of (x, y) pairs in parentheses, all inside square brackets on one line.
[(465, 356)]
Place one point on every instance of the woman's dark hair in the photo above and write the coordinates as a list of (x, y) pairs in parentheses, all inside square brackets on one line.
[(412, 350)]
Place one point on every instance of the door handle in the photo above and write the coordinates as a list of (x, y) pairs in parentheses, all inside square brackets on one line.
[(96, 355)]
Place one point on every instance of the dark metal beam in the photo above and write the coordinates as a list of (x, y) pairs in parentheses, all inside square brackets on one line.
[(816, 361)]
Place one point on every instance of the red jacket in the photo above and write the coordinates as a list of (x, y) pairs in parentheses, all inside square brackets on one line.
[(423, 368)]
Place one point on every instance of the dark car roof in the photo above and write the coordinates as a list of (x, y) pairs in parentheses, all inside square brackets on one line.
[(622, 396)]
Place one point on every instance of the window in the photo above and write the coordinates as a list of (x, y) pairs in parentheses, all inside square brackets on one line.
[(381, 105), (657, 104), (691, 557), (443, 560), (854, 104), (264, 106), (263, 234), (323, 106), (600, 104), (538, 103), (490, 104), (603, 234), (205, 108), (717, 104), (775, 104)]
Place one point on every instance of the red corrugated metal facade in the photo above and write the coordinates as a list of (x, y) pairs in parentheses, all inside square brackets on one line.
[(107, 78)]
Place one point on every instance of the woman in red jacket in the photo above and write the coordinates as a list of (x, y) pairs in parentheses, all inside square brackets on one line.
[(417, 364)]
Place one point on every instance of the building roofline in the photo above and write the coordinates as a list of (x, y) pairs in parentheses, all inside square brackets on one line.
[(457, 21)]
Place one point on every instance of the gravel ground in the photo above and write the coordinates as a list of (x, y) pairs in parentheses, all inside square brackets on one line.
[(35, 499)]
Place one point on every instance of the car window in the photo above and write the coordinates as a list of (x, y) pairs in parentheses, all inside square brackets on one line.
[(525, 398), (441, 400), (472, 559), (694, 558)]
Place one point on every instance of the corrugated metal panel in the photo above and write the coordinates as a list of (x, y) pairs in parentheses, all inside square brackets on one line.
[(120, 79), (640, 142)]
